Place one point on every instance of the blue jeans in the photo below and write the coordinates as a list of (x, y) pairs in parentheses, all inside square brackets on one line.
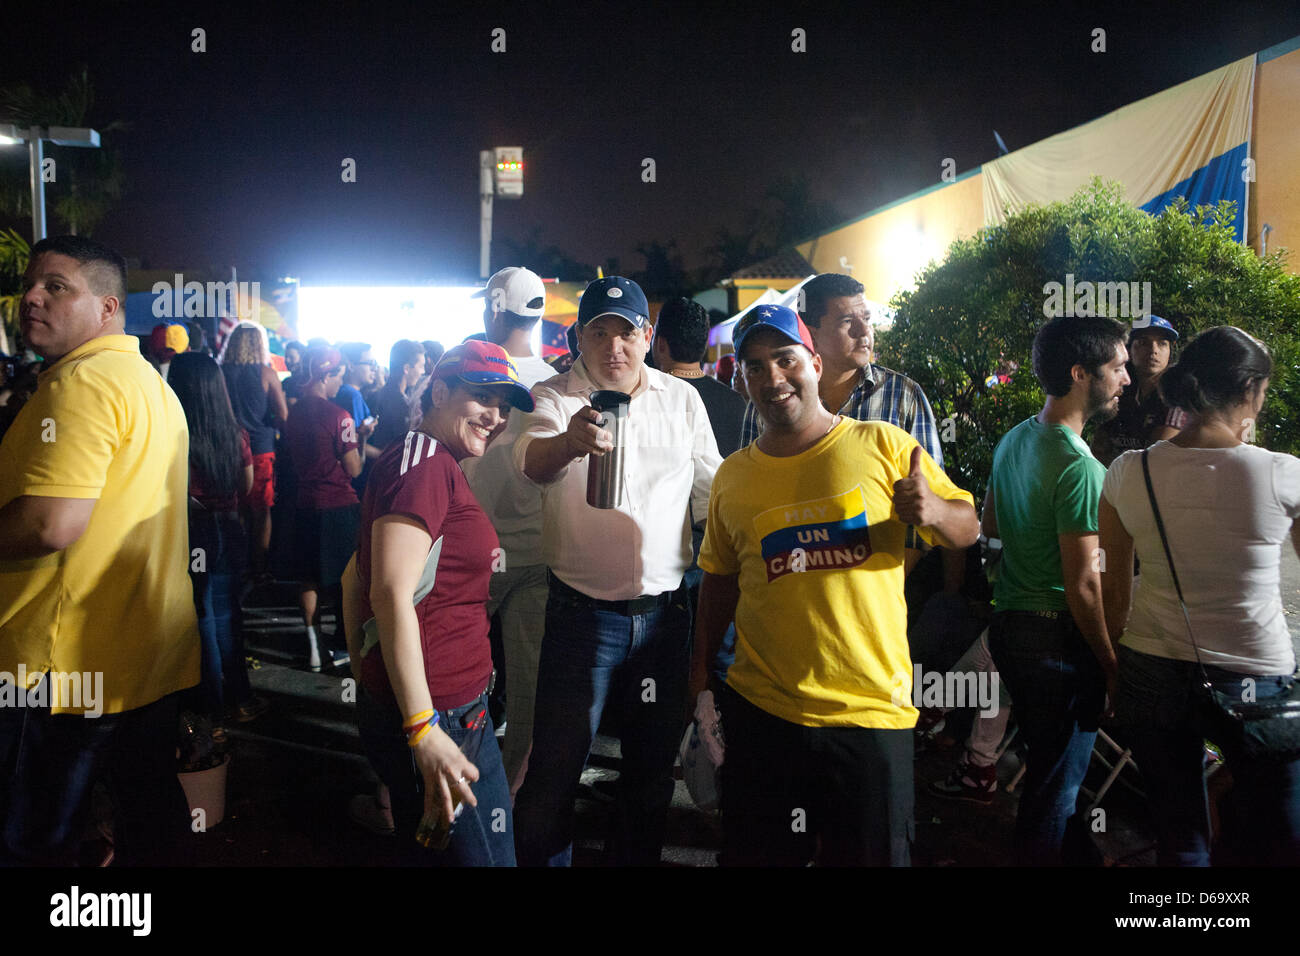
[(484, 835), (1162, 718), (224, 682), (726, 655), (637, 664), (1058, 692), (50, 762), (225, 676)]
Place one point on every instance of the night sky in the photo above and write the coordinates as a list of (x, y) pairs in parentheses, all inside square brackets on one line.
[(233, 156)]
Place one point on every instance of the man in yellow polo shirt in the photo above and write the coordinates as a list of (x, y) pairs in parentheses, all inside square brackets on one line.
[(804, 547), (97, 623)]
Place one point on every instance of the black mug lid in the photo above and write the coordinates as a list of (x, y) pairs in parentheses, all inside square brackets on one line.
[(607, 399)]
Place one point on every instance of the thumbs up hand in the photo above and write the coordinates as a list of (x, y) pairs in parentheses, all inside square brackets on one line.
[(914, 502), (914, 469)]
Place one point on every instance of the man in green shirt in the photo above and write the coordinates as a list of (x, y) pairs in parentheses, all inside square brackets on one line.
[(1048, 634)]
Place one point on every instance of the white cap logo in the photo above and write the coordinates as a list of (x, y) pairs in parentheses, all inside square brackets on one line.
[(614, 293)]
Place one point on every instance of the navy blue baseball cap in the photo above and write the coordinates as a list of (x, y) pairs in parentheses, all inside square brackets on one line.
[(1155, 323), (614, 295), (777, 317)]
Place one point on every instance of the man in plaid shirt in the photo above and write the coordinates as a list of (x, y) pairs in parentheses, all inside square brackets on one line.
[(834, 310)]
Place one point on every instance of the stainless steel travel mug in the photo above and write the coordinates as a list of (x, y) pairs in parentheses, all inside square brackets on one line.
[(605, 472)]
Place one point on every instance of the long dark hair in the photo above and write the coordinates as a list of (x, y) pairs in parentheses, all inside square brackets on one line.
[(1216, 371), (214, 434)]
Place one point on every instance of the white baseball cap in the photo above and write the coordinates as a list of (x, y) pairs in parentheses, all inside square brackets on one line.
[(517, 290)]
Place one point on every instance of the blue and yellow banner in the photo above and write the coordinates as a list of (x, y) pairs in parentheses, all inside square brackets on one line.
[(1190, 140)]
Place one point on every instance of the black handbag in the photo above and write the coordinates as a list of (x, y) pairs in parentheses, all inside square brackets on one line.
[(1255, 731)]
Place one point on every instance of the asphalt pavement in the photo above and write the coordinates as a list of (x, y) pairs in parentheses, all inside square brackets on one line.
[(294, 770)]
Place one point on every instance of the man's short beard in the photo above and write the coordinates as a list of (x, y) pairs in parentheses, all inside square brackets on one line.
[(1099, 407), (1106, 413)]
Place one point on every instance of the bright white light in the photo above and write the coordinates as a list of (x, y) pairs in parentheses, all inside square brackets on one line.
[(381, 315), (906, 251)]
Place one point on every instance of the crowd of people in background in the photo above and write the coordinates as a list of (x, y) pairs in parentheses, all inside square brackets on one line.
[(783, 547)]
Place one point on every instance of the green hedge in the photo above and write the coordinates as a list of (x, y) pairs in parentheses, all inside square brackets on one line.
[(983, 304)]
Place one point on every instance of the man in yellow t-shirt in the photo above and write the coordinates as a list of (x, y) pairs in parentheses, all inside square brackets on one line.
[(804, 547), (97, 622)]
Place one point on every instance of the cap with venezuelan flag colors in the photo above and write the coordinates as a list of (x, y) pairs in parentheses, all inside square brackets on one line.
[(484, 363)]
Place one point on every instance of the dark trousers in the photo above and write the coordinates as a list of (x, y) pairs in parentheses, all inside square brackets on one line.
[(1058, 692), (50, 762), (785, 788), (593, 657), (1165, 720)]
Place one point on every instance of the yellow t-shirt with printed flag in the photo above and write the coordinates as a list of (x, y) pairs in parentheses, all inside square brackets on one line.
[(118, 601), (821, 627)]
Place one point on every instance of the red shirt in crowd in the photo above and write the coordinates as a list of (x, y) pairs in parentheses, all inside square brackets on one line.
[(420, 478), (318, 434), (229, 502)]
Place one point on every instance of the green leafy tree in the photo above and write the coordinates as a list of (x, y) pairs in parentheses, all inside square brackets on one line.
[(14, 255), (791, 214), (975, 314), (663, 275), (787, 215), (89, 181), (732, 250), (548, 261)]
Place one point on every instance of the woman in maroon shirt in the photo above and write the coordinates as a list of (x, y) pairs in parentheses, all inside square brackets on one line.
[(426, 555), (325, 455)]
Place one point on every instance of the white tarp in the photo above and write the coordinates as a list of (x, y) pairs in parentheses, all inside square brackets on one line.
[(720, 334), (882, 316)]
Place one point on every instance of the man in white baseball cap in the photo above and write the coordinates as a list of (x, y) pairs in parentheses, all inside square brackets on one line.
[(515, 299)]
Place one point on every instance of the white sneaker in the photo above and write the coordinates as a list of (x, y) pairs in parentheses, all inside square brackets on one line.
[(313, 651)]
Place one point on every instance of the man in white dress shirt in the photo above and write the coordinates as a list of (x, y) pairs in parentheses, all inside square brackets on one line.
[(617, 625)]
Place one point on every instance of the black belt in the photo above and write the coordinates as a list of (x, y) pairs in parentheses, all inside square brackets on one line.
[(628, 608), (1049, 615)]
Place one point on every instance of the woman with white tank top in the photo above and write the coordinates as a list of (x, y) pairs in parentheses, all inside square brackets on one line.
[(1228, 507)]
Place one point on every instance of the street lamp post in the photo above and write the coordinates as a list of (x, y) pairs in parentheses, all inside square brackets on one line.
[(486, 187), (501, 173), (35, 137)]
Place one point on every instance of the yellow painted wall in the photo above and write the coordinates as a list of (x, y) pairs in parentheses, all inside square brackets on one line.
[(887, 249), (745, 296), (747, 291), (1274, 197)]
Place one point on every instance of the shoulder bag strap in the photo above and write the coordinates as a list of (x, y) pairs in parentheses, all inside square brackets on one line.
[(1160, 526)]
